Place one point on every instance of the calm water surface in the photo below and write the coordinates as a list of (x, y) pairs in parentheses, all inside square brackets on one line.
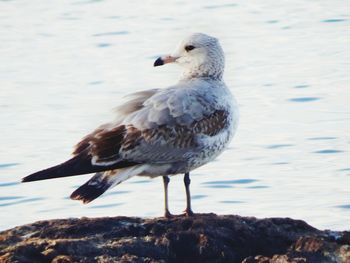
[(66, 64)]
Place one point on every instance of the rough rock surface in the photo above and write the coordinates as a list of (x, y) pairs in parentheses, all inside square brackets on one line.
[(202, 238)]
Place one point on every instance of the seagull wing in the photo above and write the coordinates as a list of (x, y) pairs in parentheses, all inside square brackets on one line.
[(156, 126)]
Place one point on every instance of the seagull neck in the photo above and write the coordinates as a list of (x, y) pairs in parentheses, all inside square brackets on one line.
[(187, 75)]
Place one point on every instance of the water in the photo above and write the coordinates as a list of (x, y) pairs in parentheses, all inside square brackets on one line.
[(66, 64)]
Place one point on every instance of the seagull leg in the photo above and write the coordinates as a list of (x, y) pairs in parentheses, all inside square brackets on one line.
[(166, 181), (187, 181)]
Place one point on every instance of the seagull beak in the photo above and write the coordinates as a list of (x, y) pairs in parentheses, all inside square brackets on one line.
[(164, 60)]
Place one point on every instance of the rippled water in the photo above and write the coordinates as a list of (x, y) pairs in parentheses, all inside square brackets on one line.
[(66, 64)]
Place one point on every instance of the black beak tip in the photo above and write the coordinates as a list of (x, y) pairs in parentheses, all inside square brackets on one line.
[(158, 62)]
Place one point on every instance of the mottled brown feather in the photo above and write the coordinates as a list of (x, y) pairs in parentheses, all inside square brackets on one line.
[(212, 124), (177, 136), (106, 143)]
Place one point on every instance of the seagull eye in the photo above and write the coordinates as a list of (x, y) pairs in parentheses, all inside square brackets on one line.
[(189, 48)]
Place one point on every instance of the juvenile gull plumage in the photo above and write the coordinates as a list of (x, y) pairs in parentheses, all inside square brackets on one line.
[(160, 132)]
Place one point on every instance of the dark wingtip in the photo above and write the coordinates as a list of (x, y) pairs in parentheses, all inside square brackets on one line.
[(158, 62), (31, 178)]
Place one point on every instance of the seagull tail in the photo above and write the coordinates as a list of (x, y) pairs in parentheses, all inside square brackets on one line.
[(100, 182), (92, 189), (79, 164)]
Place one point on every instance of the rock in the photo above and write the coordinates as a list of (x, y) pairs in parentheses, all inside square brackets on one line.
[(201, 238)]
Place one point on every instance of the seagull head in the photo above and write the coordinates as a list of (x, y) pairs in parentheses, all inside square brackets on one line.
[(200, 55)]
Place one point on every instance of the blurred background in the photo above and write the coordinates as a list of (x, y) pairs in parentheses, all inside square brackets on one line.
[(65, 64)]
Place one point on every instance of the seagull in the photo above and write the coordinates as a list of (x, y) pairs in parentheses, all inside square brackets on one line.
[(159, 132)]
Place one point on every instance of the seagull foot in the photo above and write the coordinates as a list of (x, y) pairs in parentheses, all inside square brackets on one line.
[(168, 215), (188, 213)]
